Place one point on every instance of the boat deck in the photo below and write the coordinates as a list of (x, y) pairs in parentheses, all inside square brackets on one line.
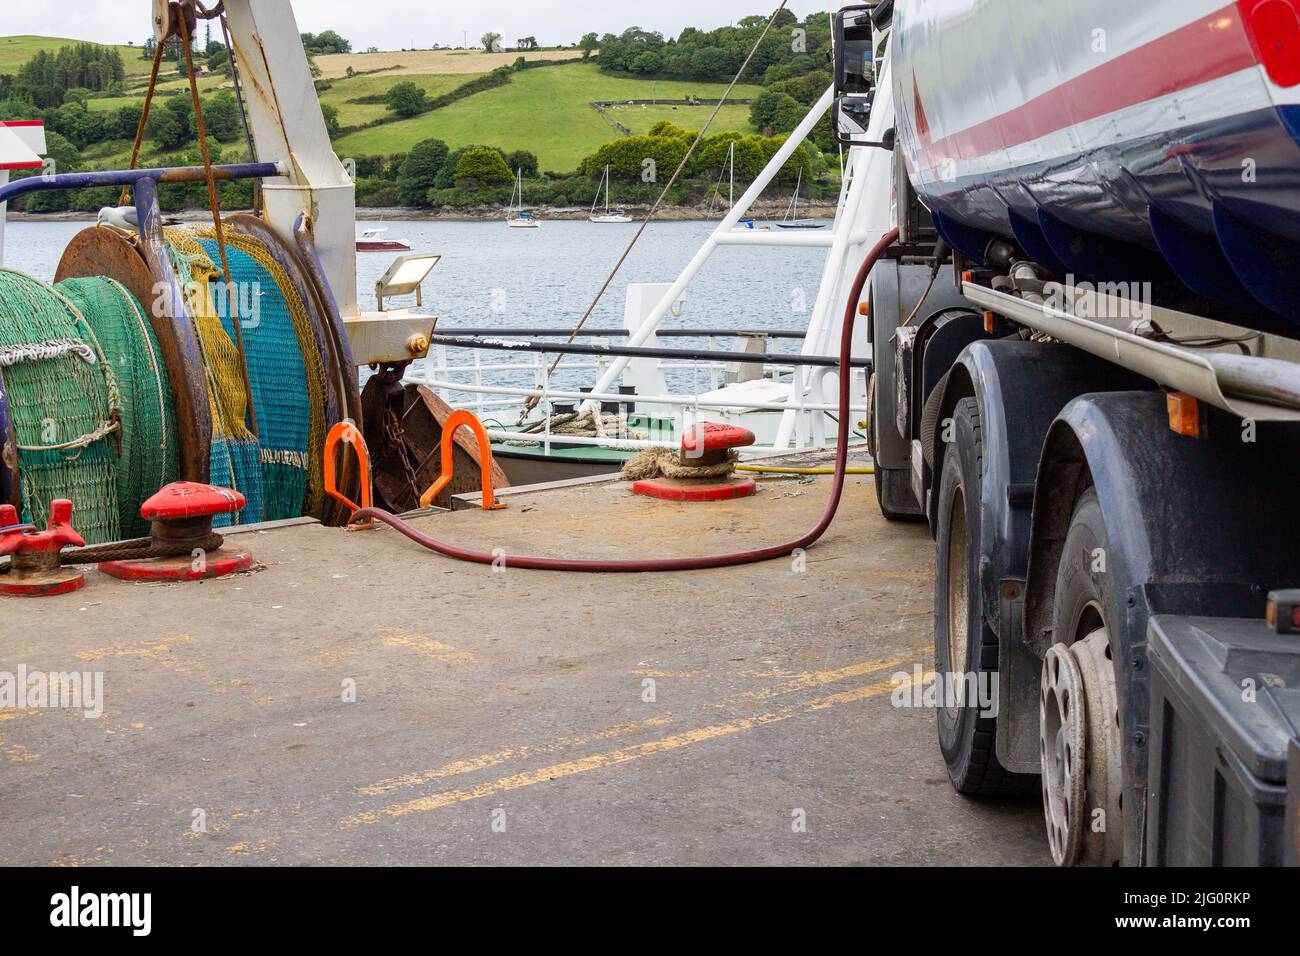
[(488, 697)]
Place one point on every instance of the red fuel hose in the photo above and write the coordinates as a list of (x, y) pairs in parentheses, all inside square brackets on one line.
[(688, 564)]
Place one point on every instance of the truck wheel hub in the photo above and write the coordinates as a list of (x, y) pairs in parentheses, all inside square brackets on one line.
[(1062, 742), (1078, 722)]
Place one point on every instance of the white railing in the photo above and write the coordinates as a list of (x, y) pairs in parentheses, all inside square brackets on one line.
[(464, 385), (469, 378)]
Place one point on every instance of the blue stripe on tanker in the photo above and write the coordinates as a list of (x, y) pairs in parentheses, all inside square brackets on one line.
[(1202, 180)]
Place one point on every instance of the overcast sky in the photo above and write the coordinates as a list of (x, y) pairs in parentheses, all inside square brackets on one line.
[(394, 24)]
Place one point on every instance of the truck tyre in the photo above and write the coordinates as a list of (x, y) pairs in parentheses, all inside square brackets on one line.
[(1082, 607), (963, 643)]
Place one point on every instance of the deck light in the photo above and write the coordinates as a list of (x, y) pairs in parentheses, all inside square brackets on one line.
[(404, 276)]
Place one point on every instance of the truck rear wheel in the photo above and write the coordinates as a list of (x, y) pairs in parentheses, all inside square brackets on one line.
[(1079, 735), (965, 648)]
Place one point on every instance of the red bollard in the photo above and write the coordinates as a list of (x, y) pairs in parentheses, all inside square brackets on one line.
[(34, 569)]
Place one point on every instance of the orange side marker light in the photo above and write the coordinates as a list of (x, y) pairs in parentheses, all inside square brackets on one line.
[(1184, 414)]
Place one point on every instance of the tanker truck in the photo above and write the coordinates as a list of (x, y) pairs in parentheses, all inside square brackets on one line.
[(1085, 350)]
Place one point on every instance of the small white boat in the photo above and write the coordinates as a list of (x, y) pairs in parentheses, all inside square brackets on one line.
[(747, 223), (792, 220), (520, 217), (609, 215), (372, 240)]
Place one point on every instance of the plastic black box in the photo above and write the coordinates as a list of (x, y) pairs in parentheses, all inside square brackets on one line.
[(1218, 761), (1293, 805)]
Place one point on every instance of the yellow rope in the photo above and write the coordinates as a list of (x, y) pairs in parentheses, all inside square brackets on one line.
[(226, 391), (773, 470)]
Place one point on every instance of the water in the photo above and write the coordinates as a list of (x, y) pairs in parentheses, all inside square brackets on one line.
[(491, 276)]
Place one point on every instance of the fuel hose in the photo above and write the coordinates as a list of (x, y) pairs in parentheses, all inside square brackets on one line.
[(696, 563)]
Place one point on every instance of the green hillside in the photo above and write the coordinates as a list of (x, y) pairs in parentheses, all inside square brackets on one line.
[(343, 93), (547, 111), (17, 50)]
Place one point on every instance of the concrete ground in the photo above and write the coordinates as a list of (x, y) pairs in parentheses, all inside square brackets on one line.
[(360, 701)]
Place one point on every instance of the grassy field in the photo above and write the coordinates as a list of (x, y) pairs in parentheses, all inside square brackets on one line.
[(207, 86), (545, 111), (431, 61), (17, 50), (354, 114), (639, 119)]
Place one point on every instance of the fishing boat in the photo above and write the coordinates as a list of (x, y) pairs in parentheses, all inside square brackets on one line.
[(372, 240), (520, 217), (792, 220), (614, 215)]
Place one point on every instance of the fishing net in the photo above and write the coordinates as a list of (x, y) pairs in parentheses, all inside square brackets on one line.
[(286, 373), (149, 457), (83, 375), (235, 454), (65, 405)]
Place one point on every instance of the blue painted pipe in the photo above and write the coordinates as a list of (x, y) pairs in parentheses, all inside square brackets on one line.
[(129, 177)]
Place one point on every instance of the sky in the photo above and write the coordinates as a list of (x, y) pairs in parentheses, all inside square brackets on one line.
[(395, 24)]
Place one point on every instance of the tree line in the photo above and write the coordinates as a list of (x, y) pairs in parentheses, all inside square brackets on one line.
[(47, 77), (433, 175), (791, 48)]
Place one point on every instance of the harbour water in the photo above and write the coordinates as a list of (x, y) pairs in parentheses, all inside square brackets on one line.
[(491, 276)]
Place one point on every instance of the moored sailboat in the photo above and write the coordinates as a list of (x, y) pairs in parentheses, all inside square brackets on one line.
[(520, 217), (614, 215)]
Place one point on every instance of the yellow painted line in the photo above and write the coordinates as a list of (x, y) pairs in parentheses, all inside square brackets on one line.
[(434, 650), (484, 761), (802, 681), (810, 679), (624, 755), (396, 637), (18, 713), (258, 846), (17, 753)]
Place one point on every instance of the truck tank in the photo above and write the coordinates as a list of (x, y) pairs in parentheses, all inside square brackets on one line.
[(1113, 140)]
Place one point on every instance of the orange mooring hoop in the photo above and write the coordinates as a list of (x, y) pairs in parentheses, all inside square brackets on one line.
[(348, 432), (455, 420)]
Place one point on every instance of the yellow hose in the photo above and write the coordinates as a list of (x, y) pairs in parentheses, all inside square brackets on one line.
[(773, 470)]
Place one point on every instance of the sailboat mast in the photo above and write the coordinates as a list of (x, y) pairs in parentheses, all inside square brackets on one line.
[(731, 189)]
